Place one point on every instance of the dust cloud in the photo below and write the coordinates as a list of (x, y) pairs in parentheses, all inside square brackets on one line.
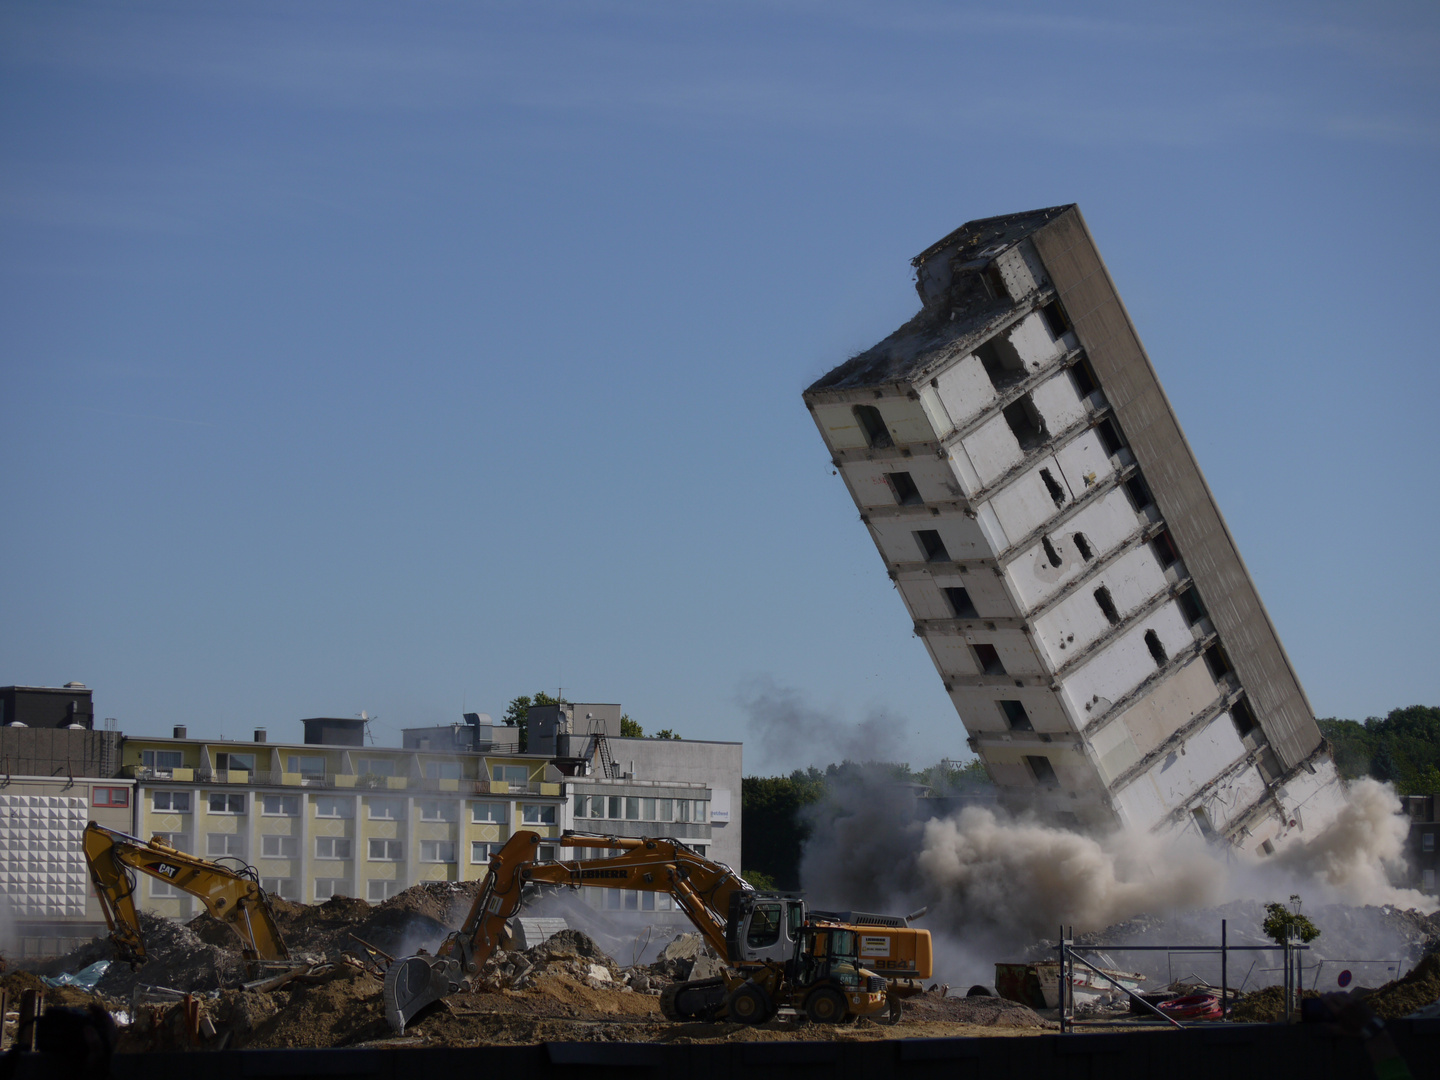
[(790, 732)]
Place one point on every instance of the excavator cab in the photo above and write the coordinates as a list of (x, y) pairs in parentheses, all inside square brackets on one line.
[(763, 927)]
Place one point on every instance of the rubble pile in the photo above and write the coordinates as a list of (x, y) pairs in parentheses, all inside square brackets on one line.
[(177, 959), (937, 1006)]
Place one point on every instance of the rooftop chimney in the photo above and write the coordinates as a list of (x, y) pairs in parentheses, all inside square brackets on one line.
[(259, 734), (179, 731)]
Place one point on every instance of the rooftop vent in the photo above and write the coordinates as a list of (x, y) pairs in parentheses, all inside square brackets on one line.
[(75, 686), (179, 731), (259, 734)]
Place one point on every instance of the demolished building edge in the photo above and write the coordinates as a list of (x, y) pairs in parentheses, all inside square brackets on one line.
[(1253, 789)]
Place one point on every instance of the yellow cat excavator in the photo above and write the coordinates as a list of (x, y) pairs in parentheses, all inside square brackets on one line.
[(232, 895), (780, 955)]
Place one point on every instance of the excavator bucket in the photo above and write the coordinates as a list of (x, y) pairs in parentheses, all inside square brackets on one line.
[(413, 983)]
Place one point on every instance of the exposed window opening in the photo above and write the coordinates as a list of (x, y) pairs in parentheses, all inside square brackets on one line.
[(1217, 662), (873, 424), (931, 545), (1202, 820), (1016, 718), (1157, 650), (1191, 607), (1001, 362), (1025, 422), (1083, 546), (1050, 552), (989, 658), (1242, 718), (904, 489), (1107, 605), (1054, 316), (1267, 848), (960, 603), (1138, 491), (1110, 437), (995, 282), (1164, 548), (1057, 493), (1042, 770)]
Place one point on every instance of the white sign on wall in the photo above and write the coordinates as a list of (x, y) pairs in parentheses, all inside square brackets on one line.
[(719, 806)]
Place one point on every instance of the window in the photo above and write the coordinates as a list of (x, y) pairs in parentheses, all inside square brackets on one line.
[(174, 802), (1025, 422), (1042, 770), (1427, 881), (1050, 553), (436, 810), (377, 891), (931, 546), (1427, 842), (280, 805), (597, 806), (1057, 493), (960, 603), (282, 887), (1242, 718), (332, 847), (664, 809), (1267, 848), (178, 841), (1191, 607), (1000, 361), (442, 770), (305, 766), (647, 809), (280, 847), (617, 807), (995, 282), (1217, 662), (989, 659), (442, 851), (904, 489), (386, 809), (480, 851), (512, 774), (1138, 491), (546, 852), (1107, 605), (1056, 322), (632, 808), (1157, 650), (1164, 548), (238, 762), (682, 809), (386, 851), (1082, 377), (224, 843), (495, 812), (538, 814), (1083, 546), (1202, 822), (327, 887), (333, 806), (110, 796), (221, 803), (162, 760), (376, 767), (873, 425), (1110, 437), (1016, 718)]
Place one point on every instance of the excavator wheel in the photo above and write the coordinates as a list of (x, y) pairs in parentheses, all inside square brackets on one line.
[(749, 1004), (698, 1000), (826, 1005)]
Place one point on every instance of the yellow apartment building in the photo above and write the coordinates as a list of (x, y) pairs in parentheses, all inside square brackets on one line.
[(332, 816)]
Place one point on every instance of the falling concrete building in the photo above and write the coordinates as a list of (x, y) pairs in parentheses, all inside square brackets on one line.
[(1045, 522)]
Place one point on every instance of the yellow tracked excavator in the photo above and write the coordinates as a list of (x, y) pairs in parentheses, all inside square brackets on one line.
[(779, 954), (232, 895)]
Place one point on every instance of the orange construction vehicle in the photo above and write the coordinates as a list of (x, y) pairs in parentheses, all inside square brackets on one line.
[(779, 954)]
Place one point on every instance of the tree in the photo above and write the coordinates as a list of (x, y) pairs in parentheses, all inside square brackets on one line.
[(665, 733), (629, 729), (1282, 924)]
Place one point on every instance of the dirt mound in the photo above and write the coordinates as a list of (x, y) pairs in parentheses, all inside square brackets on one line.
[(980, 1011), (444, 901), (1419, 988), (17, 982), (1264, 1006)]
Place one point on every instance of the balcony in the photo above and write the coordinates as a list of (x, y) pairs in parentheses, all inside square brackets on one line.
[(364, 782)]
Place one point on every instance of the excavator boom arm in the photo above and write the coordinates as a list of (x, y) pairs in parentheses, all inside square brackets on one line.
[(232, 896)]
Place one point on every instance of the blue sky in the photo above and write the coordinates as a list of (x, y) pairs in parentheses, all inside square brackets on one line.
[(411, 357)]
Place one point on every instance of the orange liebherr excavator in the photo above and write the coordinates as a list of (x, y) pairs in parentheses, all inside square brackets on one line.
[(780, 955)]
